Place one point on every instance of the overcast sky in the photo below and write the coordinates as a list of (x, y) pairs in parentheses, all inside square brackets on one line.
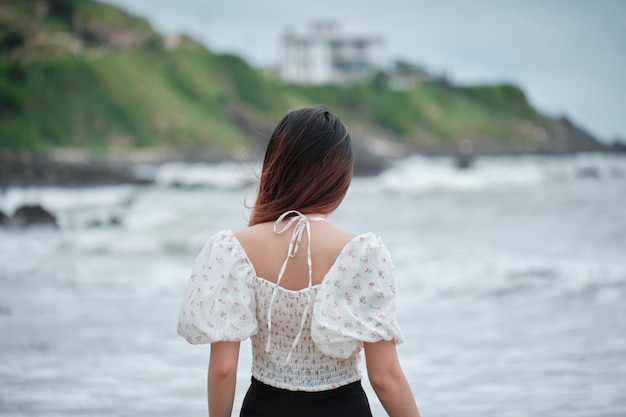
[(568, 55)]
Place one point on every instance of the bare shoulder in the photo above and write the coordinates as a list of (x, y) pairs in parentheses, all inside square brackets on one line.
[(266, 251), (252, 230), (326, 234), (255, 233)]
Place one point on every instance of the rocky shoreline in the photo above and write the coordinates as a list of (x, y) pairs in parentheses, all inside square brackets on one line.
[(79, 169), (28, 215), (24, 168), (82, 175)]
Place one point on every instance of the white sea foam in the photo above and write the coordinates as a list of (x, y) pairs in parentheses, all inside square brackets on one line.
[(66, 199), (73, 207), (226, 175), (418, 174)]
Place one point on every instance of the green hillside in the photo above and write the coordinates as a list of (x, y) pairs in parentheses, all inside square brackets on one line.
[(78, 73)]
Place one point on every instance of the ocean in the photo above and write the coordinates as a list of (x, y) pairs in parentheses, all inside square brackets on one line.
[(511, 281)]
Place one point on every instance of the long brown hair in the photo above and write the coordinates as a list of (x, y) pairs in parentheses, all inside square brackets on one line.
[(307, 166)]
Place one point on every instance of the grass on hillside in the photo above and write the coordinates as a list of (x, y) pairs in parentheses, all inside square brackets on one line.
[(142, 97), (79, 86), (429, 112)]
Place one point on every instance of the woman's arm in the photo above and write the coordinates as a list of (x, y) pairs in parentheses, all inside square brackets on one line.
[(388, 380), (222, 378)]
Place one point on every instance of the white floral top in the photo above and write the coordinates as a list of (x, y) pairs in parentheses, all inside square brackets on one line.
[(294, 347)]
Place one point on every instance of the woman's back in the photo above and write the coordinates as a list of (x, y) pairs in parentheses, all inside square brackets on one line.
[(284, 351), (268, 250)]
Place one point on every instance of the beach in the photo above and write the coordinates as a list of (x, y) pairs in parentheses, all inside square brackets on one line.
[(511, 281)]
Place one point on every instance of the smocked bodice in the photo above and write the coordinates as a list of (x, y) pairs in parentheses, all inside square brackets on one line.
[(306, 367)]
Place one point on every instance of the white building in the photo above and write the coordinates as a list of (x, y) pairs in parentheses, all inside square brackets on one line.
[(325, 56)]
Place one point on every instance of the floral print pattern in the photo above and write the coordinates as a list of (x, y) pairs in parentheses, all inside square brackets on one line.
[(355, 303)]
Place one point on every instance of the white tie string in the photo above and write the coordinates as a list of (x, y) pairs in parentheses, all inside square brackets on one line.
[(302, 223)]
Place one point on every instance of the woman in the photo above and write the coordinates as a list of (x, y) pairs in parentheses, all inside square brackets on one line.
[(310, 295)]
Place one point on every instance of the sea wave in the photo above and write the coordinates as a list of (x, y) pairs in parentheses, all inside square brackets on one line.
[(419, 174), (225, 175), (489, 272)]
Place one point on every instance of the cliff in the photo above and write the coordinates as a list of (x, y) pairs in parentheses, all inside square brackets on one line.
[(83, 74)]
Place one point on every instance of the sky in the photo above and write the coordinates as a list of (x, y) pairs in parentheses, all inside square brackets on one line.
[(569, 56)]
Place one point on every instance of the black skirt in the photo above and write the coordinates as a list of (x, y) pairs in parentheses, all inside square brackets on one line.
[(262, 400)]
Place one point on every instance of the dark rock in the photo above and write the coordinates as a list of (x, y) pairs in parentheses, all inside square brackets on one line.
[(93, 223), (464, 156), (29, 215), (97, 222), (463, 161), (4, 219), (588, 172), (115, 221), (619, 145), (366, 163)]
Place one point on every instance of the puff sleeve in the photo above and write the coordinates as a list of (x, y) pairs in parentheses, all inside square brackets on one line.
[(219, 302), (356, 301)]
